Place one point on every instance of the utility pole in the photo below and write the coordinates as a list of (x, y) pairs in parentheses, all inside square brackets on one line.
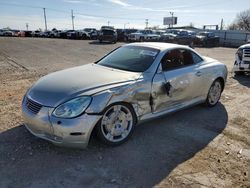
[(108, 23), (221, 24), (146, 22), (172, 14), (45, 21), (72, 17), (125, 24), (27, 26)]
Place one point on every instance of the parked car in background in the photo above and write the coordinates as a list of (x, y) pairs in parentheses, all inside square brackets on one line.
[(45, 34), (168, 37), (15, 32), (107, 34), (242, 60), (133, 83), (8, 33), (144, 35), (77, 34), (63, 34), (36, 33), (179, 36), (122, 34), (207, 39), (1, 32), (92, 33), (185, 37), (54, 33), (107, 27), (21, 34)]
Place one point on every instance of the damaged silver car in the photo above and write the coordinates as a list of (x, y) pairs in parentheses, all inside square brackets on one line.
[(133, 83)]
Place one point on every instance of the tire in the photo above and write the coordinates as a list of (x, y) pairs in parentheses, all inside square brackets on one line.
[(100, 41), (116, 125), (84, 37), (214, 93)]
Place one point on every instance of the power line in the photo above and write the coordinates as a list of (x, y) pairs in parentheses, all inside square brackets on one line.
[(79, 13), (101, 16)]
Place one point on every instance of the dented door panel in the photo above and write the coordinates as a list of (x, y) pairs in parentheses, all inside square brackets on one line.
[(173, 88)]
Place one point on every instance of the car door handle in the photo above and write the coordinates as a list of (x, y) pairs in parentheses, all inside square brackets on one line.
[(198, 73)]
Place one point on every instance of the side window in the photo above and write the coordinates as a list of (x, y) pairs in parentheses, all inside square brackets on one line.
[(187, 57), (172, 60), (196, 58), (179, 58)]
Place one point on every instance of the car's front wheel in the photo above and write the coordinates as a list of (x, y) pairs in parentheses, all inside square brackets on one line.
[(214, 93), (117, 124)]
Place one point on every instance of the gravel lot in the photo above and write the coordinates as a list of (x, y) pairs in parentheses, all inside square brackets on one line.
[(197, 147)]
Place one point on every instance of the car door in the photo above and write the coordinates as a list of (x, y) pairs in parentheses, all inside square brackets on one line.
[(177, 82)]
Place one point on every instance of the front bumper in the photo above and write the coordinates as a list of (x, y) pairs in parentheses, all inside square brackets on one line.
[(73, 132), (109, 38), (133, 38), (243, 66)]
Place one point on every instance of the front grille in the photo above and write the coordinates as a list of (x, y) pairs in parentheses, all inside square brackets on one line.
[(247, 62), (246, 53), (33, 106)]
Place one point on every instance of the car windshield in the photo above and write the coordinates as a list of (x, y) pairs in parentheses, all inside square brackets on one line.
[(108, 32), (130, 58)]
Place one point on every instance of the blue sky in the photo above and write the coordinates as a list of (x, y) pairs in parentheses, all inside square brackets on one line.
[(131, 13)]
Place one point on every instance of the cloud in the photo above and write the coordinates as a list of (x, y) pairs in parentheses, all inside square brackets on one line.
[(72, 1), (119, 2), (180, 8)]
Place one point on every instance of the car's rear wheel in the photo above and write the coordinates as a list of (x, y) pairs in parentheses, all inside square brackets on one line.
[(117, 124), (84, 37), (214, 93)]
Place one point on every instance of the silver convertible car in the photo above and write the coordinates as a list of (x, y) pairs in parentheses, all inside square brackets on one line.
[(133, 83)]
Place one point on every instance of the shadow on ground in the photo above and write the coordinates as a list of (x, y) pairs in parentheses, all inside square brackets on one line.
[(243, 79), (96, 42), (155, 149)]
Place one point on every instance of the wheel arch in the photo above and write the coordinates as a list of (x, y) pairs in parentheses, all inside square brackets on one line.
[(222, 81)]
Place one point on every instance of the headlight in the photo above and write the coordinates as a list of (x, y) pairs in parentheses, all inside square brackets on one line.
[(240, 53), (72, 108)]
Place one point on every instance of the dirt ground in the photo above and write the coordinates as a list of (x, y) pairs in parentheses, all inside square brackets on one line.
[(197, 147)]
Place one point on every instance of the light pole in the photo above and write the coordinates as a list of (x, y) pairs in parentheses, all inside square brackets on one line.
[(172, 14), (72, 17), (125, 25), (27, 26), (45, 20), (146, 22)]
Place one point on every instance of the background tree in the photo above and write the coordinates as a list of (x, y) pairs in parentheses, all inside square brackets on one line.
[(242, 21)]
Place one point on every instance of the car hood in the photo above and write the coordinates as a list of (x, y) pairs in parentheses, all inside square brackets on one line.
[(55, 88), (153, 35), (135, 33), (245, 46), (200, 36)]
